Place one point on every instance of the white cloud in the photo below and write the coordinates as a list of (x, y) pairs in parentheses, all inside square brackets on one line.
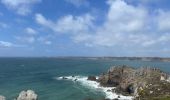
[(31, 31), (78, 3), (164, 38), (163, 20), (48, 42), (27, 39), (67, 24), (5, 44), (125, 26), (74, 24), (125, 18), (40, 19), (22, 7), (122, 22), (3, 25), (128, 26), (45, 40), (1, 14)]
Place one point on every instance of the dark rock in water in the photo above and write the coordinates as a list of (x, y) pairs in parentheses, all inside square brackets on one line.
[(75, 80), (109, 90), (65, 78), (2, 97), (88, 99), (92, 78)]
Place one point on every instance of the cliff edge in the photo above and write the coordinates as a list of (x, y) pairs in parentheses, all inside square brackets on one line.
[(144, 83)]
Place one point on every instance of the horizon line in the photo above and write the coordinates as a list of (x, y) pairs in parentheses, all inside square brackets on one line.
[(83, 57)]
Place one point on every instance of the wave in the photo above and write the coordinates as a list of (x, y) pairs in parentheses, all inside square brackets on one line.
[(95, 85)]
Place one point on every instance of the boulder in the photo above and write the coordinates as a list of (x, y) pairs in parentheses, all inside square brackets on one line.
[(64, 78), (27, 95), (2, 97)]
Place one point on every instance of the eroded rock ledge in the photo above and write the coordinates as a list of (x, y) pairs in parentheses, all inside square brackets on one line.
[(144, 83)]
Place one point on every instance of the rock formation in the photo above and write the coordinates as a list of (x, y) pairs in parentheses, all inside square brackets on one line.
[(144, 83), (27, 95), (2, 97), (92, 78)]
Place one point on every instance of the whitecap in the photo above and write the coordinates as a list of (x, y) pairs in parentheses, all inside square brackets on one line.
[(95, 85)]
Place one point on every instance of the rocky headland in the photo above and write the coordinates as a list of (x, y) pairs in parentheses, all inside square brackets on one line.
[(144, 83)]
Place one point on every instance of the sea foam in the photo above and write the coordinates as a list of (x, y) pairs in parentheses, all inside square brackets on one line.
[(95, 85)]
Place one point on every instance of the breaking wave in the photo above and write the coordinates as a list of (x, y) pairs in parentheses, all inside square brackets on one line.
[(95, 85)]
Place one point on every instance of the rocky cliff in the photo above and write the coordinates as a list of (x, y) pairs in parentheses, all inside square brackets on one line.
[(144, 83)]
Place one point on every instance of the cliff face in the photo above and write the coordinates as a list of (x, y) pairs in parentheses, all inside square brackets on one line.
[(140, 83)]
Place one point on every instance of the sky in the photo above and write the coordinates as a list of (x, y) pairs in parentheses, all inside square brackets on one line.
[(53, 28)]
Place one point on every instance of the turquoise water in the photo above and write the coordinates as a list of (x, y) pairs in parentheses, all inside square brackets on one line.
[(38, 74)]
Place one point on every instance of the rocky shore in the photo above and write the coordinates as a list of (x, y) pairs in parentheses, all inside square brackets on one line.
[(126, 82), (24, 95), (144, 83)]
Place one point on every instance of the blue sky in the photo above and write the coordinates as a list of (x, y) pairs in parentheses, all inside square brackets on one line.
[(85, 28)]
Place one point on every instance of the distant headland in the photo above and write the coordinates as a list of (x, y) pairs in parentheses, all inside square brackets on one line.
[(163, 59)]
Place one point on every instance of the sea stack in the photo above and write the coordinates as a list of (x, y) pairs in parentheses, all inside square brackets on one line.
[(27, 95)]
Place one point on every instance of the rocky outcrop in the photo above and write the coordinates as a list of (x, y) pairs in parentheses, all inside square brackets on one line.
[(24, 95), (140, 83), (2, 97), (27, 95), (92, 78)]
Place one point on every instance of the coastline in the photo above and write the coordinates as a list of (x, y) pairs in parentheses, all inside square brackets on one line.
[(83, 80), (46, 84), (127, 83)]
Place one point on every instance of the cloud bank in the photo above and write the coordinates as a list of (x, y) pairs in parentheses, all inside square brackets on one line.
[(125, 26), (22, 7)]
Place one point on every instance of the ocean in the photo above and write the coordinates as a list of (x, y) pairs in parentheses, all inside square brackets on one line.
[(40, 75)]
